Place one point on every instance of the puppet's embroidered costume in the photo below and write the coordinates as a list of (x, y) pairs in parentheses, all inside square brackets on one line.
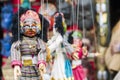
[(61, 69), (80, 52), (28, 50)]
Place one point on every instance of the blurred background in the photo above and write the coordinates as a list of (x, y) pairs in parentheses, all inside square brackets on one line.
[(98, 20)]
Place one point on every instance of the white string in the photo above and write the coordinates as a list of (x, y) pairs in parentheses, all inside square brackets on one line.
[(59, 6), (83, 25), (30, 4), (47, 5), (47, 17), (77, 13), (42, 3), (91, 7), (93, 25), (73, 13), (18, 22)]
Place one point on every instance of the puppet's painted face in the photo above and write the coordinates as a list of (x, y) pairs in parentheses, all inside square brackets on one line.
[(77, 42), (30, 28), (30, 23)]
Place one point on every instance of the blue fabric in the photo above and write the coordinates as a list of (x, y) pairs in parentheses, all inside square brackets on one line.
[(6, 45), (68, 69), (6, 16)]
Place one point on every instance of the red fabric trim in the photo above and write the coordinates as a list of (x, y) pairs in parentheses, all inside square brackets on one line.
[(41, 62), (15, 62)]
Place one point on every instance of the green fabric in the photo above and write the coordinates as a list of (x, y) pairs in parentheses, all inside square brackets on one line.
[(65, 26), (77, 34), (26, 4)]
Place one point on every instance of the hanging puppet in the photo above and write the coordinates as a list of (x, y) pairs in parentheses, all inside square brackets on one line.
[(28, 50), (61, 50), (80, 52)]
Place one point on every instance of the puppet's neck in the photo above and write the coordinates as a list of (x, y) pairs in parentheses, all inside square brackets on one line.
[(29, 38)]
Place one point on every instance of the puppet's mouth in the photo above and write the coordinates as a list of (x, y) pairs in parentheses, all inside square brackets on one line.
[(30, 33)]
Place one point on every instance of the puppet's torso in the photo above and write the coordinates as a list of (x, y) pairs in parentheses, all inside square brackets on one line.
[(26, 53)]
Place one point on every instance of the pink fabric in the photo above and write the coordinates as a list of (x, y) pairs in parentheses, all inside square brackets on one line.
[(15, 62), (30, 14), (80, 54), (41, 61), (78, 73)]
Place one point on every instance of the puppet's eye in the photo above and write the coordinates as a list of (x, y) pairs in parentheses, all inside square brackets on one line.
[(33, 27), (26, 26)]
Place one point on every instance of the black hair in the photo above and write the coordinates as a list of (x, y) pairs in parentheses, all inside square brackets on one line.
[(70, 38), (59, 25)]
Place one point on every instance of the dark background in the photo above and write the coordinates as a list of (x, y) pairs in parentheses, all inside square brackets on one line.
[(114, 12)]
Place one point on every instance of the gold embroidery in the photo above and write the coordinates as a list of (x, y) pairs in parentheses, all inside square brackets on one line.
[(27, 62), (70, 78), (48, 56)]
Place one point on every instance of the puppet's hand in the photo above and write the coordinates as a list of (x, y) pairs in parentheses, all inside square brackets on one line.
[(17, 72), (42, 68), (75, 56), (74, 46), (98, 54), (85, 51)]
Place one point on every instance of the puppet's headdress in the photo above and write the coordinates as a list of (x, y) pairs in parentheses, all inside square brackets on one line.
[(30, 14), (77, 34)]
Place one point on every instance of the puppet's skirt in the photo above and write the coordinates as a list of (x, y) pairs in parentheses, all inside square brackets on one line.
[(78, 73), (61, 68)]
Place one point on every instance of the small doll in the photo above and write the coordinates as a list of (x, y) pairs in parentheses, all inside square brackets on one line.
[(28, 50), (79, 53), (61, 69)]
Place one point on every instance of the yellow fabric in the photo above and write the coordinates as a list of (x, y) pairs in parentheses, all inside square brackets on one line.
[(48, 56), (27, 62)]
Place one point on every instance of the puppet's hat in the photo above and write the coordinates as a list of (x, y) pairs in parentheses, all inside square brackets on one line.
[(30, 14), (77, 34)]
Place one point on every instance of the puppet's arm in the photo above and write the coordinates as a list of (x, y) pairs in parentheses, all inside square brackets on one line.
[(56, 43), (69, 50), (51, 40), (85, 51), (15, 56), (41, 56)]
